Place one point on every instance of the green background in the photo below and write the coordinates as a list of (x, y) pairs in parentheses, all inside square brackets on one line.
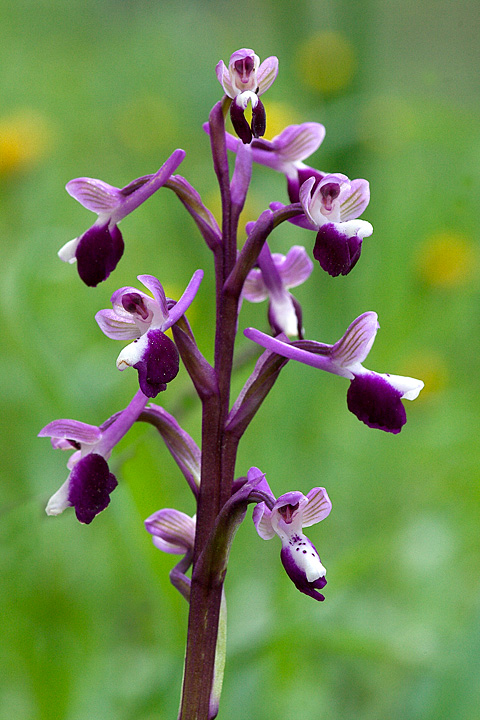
[(91, 627)]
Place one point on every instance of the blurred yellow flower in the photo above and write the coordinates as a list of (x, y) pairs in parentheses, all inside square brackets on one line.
[(326, 62), (447, 259), (25, 138)]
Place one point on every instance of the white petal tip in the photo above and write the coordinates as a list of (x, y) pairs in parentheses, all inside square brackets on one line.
[(415, 392), (67, 252)]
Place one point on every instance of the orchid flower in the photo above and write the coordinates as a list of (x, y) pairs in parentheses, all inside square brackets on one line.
[(332, 209), (90, 482), (274, 276), (289, 515), (99, 249), (144, 319), (375, 398), (244, 81)]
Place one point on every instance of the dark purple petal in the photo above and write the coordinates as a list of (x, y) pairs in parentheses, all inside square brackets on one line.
[(297, 575), (376, 403), (98, 252), (240, 123), (90, 486), (336, 252), (159, 364), (259, 120)]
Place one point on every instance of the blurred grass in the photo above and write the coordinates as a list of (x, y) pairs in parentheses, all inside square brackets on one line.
[(91, 626)]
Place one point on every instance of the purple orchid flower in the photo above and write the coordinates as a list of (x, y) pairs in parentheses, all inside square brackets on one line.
[(99, 249), (244, 81), (90, 482), (375, 398), (172, 531), (289, 515), (139, 317), (332, 206), (274, 276)]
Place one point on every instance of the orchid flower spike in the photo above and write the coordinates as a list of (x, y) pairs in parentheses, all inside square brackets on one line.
[(244, 81), (90, 482), (375, 398), (332, 206), (271, 280), (290, 514), (99, 249), (144, 319)]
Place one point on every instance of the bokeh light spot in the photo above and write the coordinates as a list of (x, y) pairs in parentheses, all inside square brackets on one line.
[(25, 139), (326, 62), (447, 259)]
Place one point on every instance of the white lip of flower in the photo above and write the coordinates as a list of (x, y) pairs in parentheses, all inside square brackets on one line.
[(309, 562), (285, 314), (245, 97), (132, 353)]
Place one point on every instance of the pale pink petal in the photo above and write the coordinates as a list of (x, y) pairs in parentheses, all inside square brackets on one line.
[(266, 74), (355, 203), (295, 267), (356, 343), (116, 327), (317, 508), (223, 77), (297, 142), (72, 430), (156, 288), (262, 520), (95, 195), (254, 289)]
